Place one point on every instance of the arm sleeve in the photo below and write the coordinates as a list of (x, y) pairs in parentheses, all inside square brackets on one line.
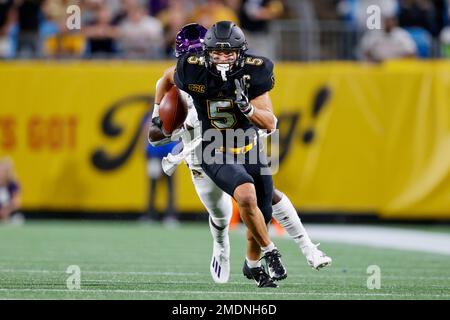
[(191, 119), (262, 80)]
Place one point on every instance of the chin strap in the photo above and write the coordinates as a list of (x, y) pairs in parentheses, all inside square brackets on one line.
[(223, 68)]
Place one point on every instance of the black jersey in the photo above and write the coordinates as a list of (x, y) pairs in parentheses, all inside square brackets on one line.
[(214, 98)]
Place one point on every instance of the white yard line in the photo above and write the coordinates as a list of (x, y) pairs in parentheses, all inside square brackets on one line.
[(184, 274), (382, 237), (143, 273), (264, 293)]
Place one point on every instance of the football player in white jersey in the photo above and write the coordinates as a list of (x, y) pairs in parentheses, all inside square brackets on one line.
[(217, 202)]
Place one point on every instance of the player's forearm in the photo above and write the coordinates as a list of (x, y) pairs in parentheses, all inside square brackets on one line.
[(261, 113), (164, 84), (264, 119)]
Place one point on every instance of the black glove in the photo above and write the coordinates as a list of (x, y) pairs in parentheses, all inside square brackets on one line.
[(157, 122), (242, 100)]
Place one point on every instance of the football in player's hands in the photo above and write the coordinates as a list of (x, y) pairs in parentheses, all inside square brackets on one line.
[(173, 110)]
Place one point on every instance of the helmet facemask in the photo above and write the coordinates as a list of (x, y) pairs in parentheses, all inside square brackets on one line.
[(223, 66), (227, 68)]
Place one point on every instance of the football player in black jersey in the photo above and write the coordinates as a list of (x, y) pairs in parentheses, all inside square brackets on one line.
[(189, 40), (230, 92)]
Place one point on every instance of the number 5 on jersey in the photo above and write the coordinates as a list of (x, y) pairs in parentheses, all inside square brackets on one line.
[(219, 118)]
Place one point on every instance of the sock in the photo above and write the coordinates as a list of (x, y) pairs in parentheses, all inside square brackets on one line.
[(253, 264), (270, 247), (219, 230), (286, 215)]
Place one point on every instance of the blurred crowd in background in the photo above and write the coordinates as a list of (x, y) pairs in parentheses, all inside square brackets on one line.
[(145, 29)]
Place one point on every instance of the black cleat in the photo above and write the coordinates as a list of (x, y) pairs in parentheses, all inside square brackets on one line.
[(259, 275), (276, 269)]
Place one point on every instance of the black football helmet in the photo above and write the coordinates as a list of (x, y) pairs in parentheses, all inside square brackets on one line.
[(225, 35)]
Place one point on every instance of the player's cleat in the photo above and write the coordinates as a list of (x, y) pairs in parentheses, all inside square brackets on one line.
[(316, 258), (259, 275), (220, 263), (276, 269)]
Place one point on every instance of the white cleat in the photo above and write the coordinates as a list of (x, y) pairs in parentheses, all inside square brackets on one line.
[(316, 258), (220, 263)]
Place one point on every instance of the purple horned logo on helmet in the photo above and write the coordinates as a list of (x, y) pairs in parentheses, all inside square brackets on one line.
[(190, 39)]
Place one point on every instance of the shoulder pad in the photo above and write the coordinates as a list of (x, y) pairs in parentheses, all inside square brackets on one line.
[(260, 73), (187, 65)]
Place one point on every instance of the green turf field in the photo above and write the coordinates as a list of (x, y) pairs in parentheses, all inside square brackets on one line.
[(138, 261)]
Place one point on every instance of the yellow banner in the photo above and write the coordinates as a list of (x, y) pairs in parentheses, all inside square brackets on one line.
[(381, 137), (73, 132), (354, 138)]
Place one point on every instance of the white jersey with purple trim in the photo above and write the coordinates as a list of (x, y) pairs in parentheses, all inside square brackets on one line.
[(190, 136), (192, 118)]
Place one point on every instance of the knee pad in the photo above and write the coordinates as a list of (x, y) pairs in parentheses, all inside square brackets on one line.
[(219, 222)]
